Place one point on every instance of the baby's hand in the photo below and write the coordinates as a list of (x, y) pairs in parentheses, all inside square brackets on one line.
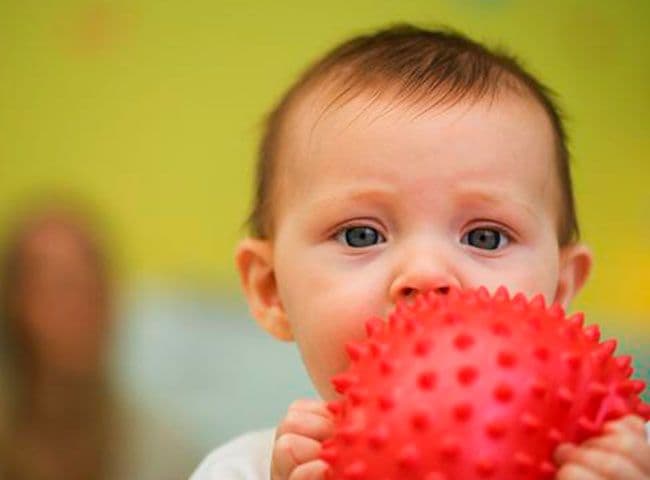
[(620, 453), (298, 442)]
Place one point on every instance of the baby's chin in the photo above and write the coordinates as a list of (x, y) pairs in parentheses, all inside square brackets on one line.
[(325, 389), (321, 378)]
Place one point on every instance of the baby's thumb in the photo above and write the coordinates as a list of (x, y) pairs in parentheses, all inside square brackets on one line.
[(563, 452)]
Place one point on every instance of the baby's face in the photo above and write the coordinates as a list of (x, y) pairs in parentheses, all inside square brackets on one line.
[(377, 206)]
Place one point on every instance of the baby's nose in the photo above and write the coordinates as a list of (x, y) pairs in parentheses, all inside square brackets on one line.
[(409, 292), (408, 285)]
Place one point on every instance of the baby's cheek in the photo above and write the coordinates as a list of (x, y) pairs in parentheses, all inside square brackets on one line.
[(324, 321), (324, 355), (530, 280), (322, 364)]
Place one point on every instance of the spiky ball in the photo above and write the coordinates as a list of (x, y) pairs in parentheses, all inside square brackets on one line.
[(472, 386)]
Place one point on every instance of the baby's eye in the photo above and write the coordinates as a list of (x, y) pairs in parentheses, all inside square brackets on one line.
[(486, 238), (359, 237)]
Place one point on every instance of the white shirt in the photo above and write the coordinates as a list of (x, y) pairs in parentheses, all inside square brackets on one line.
[(247, 457)]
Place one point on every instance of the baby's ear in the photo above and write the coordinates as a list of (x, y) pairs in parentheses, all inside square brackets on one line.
[(254, 259), (575, 266)]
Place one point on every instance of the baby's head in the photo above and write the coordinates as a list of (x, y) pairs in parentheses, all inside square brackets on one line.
[(405, 161)]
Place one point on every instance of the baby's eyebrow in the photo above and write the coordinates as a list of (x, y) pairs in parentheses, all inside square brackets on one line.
[(494, 197), (375, 193), (383, 194)]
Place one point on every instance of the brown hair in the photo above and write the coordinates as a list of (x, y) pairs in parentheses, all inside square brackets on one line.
[(425, 67)]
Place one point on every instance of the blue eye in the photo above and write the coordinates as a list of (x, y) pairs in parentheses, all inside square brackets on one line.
[(359, 237), (486, 238)]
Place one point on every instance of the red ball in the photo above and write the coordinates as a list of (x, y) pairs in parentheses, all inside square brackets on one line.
[(472, 386)]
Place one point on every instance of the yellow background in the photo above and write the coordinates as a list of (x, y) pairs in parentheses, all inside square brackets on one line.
[(151, 109)]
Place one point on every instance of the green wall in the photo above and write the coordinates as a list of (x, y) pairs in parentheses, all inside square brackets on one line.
[(151, 109)]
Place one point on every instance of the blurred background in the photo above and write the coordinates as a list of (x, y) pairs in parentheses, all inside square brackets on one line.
[(138, 120)]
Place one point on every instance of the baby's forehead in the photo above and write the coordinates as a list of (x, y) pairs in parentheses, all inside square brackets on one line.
[(320, 121), (354, 108), (506, 142)]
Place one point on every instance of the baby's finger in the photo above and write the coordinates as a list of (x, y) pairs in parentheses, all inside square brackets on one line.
[(604, 464), (310, 471), (563, 452), (311, 405), (306, 423), (629, 445), (290, 451), (632, 423), (573, 471)]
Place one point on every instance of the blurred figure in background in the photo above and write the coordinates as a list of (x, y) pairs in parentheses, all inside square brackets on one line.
[(62, 418)]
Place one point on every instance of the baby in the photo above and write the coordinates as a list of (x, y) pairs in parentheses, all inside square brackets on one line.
[(405, 161)]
